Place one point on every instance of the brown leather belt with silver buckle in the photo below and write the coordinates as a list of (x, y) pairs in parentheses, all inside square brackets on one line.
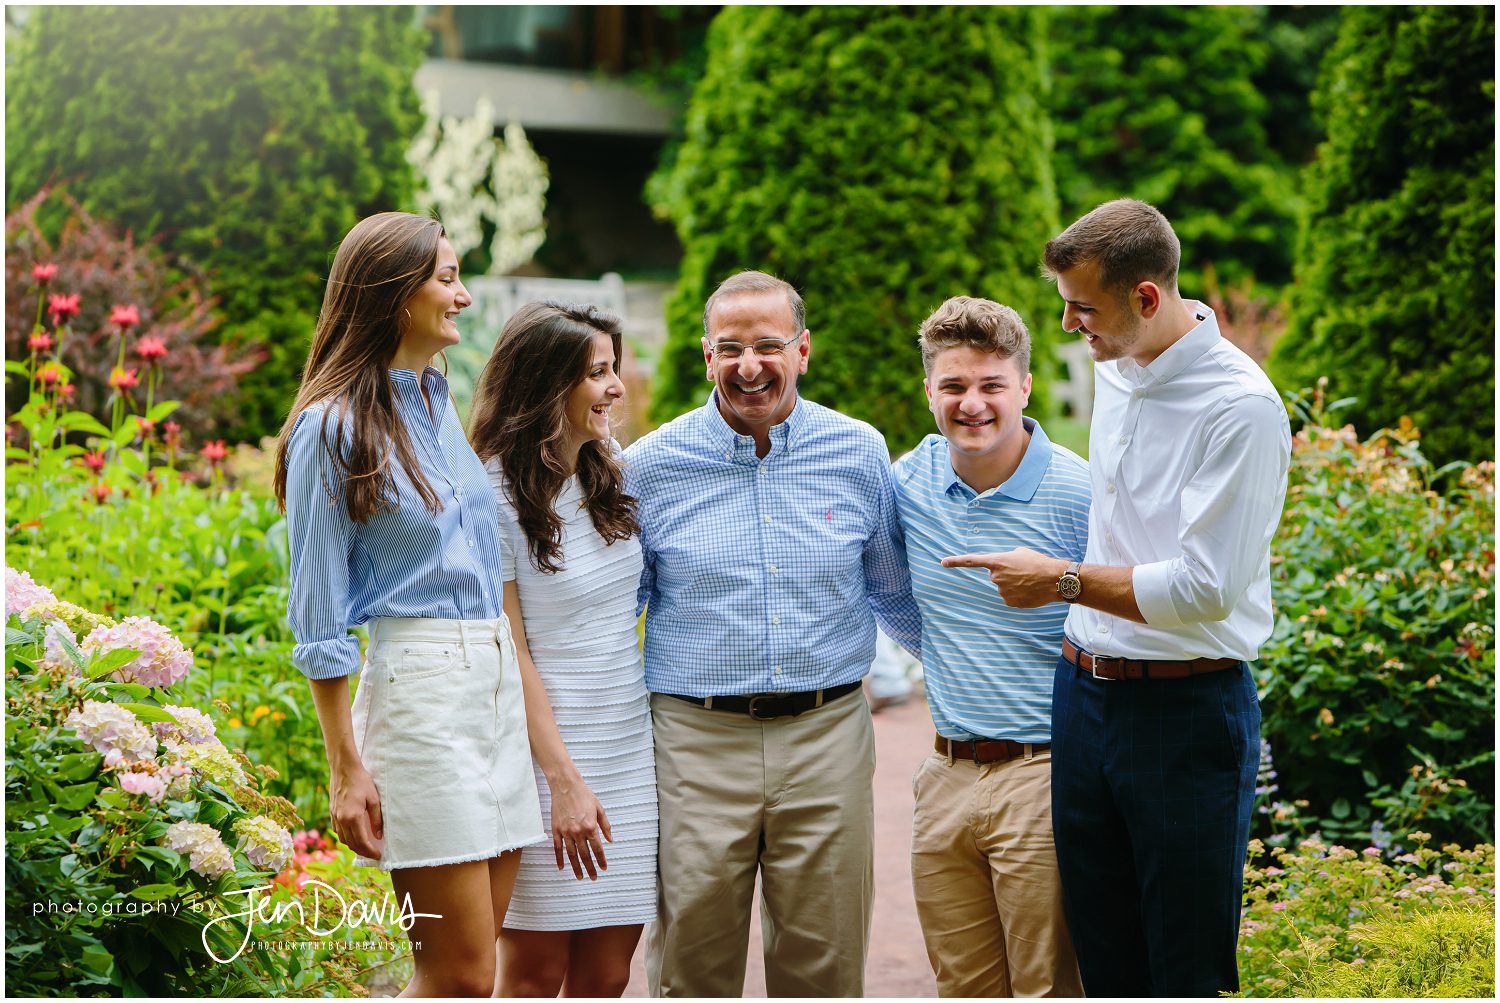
[(769, 706), (988, 750), (1112, 668)]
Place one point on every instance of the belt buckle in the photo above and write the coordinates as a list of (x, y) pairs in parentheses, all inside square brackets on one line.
[(1107, 658), (751, 709)]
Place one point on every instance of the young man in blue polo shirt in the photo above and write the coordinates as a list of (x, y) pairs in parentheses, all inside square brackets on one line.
[(983, 866)]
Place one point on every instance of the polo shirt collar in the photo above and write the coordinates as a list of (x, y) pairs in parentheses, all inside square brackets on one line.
[(784, 436), (1183, 352), (1021, 485)]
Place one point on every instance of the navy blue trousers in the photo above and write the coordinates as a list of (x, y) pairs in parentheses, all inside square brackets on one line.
[(1152, 787)]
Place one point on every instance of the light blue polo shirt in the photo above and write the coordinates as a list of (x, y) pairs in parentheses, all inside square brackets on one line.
[(987, 667)]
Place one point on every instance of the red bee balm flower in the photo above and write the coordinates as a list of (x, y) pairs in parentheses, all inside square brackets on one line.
[(151, 349), (62, 307), (94, 461), (126, 316), (214, 451), (173, 432), (65, 391), (44, 273), (100, 492), (49, 374), (39, 342), (123, 379)]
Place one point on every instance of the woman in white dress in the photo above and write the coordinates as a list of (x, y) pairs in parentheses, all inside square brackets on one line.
[(540, 422)]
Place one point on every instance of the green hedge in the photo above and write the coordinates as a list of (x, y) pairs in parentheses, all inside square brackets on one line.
[(1395, 291), (880, 160), (1165, 104), (250, 138)]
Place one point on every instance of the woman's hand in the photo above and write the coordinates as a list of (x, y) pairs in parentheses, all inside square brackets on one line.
[(354, 804), (577, 822)]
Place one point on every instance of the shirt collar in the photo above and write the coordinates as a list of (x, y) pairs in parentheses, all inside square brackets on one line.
[(1182, 353), (1021, 485), (726, 440), (408, 387)]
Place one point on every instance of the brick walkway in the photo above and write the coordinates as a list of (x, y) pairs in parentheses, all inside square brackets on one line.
[(898, 963)]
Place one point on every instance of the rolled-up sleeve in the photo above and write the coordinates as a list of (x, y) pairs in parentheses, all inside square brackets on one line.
[(887, 577), (321, 538), (1230, 510)]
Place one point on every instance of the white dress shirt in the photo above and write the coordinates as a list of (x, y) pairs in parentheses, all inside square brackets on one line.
[(1188, 458)]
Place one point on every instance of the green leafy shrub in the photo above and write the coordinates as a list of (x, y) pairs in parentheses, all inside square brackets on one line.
[(252, 138), (1378, 683), (107, 272), (121, 518), (1395, 287), (1161, 104), (879, 159), (1328, 921)]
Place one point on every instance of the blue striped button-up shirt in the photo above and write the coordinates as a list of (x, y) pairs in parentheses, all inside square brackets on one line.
[(405, 561), (767, 574), (988, 667)]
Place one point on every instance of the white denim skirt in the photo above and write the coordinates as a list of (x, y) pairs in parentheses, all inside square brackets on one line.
[(440, 723)]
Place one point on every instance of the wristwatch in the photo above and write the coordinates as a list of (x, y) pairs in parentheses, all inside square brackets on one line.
[(1070, 586)]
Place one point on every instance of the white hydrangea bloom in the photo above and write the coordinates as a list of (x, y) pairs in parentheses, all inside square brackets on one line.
[(206, 851), (193, 726), (109, 728), (264, 842), (210, 760)]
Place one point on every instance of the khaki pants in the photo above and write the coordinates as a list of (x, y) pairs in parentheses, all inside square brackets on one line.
[(985, 878), (792, 797)]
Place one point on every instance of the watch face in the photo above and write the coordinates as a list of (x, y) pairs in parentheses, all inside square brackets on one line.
[(1070, 587)]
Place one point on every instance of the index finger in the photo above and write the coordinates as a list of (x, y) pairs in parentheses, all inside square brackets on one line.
[(970, 561)]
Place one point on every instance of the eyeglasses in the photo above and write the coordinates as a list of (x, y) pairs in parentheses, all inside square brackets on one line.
[(764, 347)]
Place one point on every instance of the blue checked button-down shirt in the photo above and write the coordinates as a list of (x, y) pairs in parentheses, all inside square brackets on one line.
[(767, 575), (988, 667), (405, 561)]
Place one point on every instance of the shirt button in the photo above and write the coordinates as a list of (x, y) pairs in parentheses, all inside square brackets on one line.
[(1124, 439), (774, 569), (728, 456), (1110, 487), (761, 469), (471, 544), (458, 492), (973, 529), (1138, 394), (775, 619), (1110, 537), (1104, 630), (768, 520)]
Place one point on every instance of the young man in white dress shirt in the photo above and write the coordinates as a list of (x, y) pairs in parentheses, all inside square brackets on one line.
[(1155, 721)]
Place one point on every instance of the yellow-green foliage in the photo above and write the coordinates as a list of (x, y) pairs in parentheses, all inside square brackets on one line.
[(1445, 953), (1331, 921)]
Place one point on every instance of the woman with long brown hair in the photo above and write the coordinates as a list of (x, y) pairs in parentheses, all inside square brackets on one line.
[(540, 421), (391, 523)]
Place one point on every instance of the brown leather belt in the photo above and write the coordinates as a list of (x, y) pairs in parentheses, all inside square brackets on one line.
[(1109, 667), (988, 750), (768, 706)]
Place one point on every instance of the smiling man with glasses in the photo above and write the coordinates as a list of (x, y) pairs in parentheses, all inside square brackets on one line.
[(772, 547)]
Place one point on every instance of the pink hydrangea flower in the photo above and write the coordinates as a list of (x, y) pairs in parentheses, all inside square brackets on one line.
[(163, 660), (21, 593), (109, 728), (52, 643), (143, 783)]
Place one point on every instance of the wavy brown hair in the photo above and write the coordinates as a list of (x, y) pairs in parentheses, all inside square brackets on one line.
[(520, 415), (379, 265)]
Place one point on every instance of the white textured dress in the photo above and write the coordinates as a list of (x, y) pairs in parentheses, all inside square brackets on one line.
[(580, 628)]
